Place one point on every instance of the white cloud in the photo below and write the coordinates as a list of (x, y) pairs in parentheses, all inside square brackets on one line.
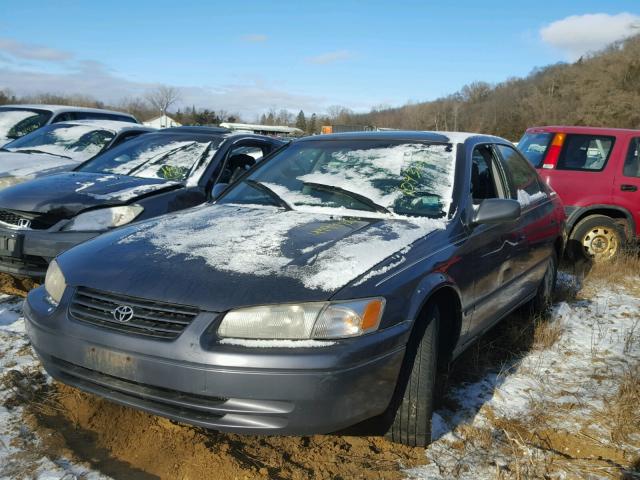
[(27, 51), (255, 38), (330, 57), (580, 34), (95, 80)]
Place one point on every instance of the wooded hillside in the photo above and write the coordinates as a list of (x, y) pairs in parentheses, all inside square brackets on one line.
[(600, 90)]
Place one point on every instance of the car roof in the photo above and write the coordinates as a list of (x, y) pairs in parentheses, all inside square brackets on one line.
[(196, 129), (586, 130), (113, 125), (413, 135), (217, 132), (64, 108)]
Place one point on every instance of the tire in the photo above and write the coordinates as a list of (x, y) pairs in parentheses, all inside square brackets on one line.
[(415, 393), (597, 238), (541, 303)]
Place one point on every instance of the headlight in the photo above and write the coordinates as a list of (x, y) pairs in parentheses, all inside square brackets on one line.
[(8, 181), (103, 219), (54, 283), (304, 320)]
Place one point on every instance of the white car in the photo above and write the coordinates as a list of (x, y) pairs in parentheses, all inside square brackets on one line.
[(19, 120), (60, 147)]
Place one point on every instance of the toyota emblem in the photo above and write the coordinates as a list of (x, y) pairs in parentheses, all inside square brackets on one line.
[(123, 313)]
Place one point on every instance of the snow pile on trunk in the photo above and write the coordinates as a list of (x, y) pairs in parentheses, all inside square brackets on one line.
[(599, 342)]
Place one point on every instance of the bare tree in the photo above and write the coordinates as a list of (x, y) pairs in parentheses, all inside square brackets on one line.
[(163, 97)]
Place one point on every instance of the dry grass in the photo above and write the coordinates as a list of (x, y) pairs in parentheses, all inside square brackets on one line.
[(622, 271), (622, 413)]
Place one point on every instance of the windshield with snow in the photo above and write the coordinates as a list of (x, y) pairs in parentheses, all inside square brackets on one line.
[(381, 176), (79, 142), (17, 122), (162, 156)]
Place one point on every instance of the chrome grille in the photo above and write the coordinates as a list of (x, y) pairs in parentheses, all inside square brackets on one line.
[(36, 221), (11, 218), (149, 318)]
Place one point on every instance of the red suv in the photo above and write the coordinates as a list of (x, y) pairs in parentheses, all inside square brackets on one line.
[(596, 172)]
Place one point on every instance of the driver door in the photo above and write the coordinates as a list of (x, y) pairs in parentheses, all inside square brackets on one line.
[(489, 245)]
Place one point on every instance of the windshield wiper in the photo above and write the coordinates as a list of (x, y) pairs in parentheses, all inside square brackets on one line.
[(33, 150), (356, 196), (270, 193), (158, 158)]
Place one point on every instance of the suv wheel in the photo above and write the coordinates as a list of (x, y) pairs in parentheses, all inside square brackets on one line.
[(598, 238), (412, 422)]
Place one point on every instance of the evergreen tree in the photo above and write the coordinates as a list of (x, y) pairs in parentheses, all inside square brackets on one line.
[(301, 121), (312, 124)]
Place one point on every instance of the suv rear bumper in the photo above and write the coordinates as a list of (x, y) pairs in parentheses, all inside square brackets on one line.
[(278, 390)]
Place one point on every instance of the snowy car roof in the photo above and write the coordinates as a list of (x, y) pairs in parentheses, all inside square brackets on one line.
[(113, 125), (414, 135), (64, 108)]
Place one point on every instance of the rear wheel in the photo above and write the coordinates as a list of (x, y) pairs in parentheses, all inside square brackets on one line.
[(412, 422), (598, 238)]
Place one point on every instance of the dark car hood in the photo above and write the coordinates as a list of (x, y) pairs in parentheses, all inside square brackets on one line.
[(66, 194), (222, 256)]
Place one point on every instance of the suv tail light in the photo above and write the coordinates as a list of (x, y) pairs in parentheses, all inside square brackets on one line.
[(551, 160)]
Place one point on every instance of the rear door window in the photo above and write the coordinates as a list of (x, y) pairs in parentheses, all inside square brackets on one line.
[(632, 162), (525, 181), (534, 147), (585, 152)]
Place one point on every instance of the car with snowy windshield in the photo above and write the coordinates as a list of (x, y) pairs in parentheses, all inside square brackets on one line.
[(19, 120), (153, 174), (320, 290), (60, 147)]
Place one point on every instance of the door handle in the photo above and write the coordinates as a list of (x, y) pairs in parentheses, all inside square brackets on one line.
[(628, 188)]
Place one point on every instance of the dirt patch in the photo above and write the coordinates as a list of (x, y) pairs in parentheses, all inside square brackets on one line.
[(11, 285), (122, 442)]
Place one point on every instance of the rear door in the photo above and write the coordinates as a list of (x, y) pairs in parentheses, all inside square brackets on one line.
[(584, 159), (533, 238), (626, 186)]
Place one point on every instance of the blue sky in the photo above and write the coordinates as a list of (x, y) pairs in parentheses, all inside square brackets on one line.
[(252, 55)]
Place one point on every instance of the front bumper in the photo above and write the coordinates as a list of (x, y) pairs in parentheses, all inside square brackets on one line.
[(223, 387), (28, 252)]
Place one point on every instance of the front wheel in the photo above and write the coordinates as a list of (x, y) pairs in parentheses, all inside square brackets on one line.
[(412, 422)]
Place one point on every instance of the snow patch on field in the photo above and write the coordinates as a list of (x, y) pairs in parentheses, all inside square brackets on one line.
[(601, 334), (20, 455)]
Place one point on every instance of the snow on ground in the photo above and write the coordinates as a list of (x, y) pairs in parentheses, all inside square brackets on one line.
[(19, 453), (569, 382)]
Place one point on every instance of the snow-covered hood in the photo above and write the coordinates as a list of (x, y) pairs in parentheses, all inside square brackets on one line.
[(31, 165), (224, 256), (66, 194)]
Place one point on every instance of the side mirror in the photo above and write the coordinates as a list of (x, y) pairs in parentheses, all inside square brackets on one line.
[(217, 190), (497, 210)]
